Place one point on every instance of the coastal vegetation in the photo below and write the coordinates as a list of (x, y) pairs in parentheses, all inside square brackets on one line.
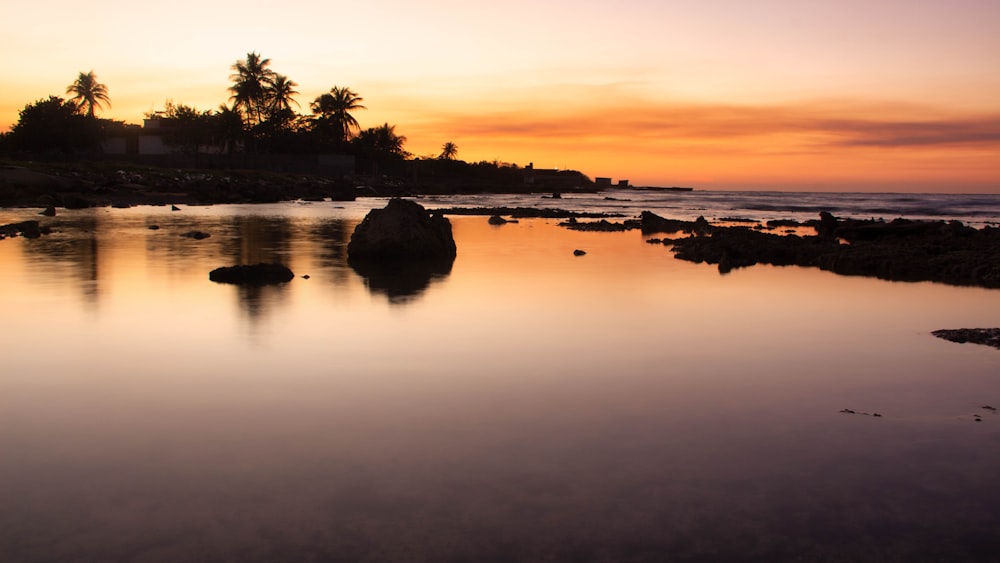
[(260, 127)]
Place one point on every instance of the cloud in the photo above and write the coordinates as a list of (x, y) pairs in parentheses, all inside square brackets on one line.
[(806, 126)]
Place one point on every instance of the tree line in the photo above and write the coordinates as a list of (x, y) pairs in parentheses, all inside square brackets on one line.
[(260, 117)]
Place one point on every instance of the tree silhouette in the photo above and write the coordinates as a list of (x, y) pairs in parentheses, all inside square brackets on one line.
[(88, 93), (252, 81), (383, 139), (333, 111), (281, 91), (54, 124), (448, 151)]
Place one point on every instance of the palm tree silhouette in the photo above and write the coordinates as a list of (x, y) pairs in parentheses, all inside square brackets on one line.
[(334, 107), (89, 93), (384, 139), (281, 91), (252, 81), (448, 151)]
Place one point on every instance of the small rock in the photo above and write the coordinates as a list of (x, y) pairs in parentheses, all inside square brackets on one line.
[(49, 211), (197, 235), (253, 274), (174, 208), (497, 220), (578, 252), (305, 276), (153, 227)]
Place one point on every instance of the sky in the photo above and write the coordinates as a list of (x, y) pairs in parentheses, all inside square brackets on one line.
[(845, 95)]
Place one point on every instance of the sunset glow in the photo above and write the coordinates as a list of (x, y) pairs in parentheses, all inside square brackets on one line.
[(721, 94)]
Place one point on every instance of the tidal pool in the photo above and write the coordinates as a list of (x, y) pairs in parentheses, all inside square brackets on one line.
[(528, 405)]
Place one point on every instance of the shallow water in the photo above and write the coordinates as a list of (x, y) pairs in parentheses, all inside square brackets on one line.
[(529, 405)]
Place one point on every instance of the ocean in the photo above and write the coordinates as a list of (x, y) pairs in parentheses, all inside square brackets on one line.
[(973, 209), (530, 404)]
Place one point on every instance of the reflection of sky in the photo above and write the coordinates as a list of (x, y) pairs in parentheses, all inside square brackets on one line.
[(529, 402)]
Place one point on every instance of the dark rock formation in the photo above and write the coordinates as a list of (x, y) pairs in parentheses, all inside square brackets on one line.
[(601, 226), (402, 231), (497, 220), (253, 274), (196, 235), (985, 336), (650, 222), (579, 252), (26, 229), (49, 211), (401, 248), (901, 250)]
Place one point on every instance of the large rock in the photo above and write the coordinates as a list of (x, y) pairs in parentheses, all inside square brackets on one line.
[(402, 231)]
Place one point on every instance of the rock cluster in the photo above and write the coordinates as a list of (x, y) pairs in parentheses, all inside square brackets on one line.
[(26, 229), (899, 250)]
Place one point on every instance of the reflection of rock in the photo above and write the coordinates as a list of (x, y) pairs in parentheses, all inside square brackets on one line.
[(401, 280), (254, 274), (403, 230), (401, 248)]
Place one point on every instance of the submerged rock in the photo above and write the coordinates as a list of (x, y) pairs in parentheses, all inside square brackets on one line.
[(402, 231), (252, 274)]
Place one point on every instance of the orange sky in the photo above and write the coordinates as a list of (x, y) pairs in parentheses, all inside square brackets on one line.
[(848, 95)]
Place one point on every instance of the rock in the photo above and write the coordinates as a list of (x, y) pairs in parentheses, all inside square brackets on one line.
[(497, 220), (402, 231), (49, 211), (26, 229), (174, 208), (253, 274), (197, 235), (650, 222), (153, 227), (900, 250), (579, 252), (984, 336), (603, 225)]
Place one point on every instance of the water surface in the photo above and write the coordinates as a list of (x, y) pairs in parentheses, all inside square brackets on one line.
[(529, 405)]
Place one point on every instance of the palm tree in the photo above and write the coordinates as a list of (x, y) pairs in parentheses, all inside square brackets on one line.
[(334, 107), (89, 93), (383, 139), (448, 151), (251, 82), (280, 94)]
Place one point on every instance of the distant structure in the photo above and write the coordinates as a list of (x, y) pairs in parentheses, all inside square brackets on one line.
[(601, 182), (155, 143), (623, 183)]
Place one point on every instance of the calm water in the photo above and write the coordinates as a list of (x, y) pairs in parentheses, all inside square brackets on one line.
[(528, 406)]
